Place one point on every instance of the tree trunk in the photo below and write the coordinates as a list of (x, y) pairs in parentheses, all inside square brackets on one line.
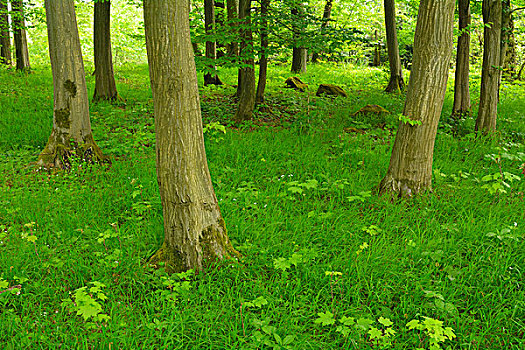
[(195, 233), (461, 84), (299, 53), (263, 56), (246, 87), (396, 82), (490, 74), (210, 77), (71, 134), (410, 169), (5, 37), (377, 51), (326, 18), (232, 7), (22, 53), (105, 87)]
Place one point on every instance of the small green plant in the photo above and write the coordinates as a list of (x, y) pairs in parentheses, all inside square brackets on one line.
[(87, 302), (433, 330), (284, 264), (407, 120), (361, 196), (497, 182), (215, 130), (507, 234), (266, 334)]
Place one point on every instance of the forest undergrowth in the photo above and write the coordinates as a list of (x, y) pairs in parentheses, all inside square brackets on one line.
[(326, 263)]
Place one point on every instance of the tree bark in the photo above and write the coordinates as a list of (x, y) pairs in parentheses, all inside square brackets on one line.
[(461, 84), (5, 37), (71, 134), (491, 69), (299, 53), (105, 87), (211, 45), (20, 37), (232, 7), (246, 87), (410, 169), (194, 230), (396, 82), (263, 55), (377, 51), (326, 18)]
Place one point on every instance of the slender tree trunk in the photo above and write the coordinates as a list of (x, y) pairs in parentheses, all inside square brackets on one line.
[(461, 84), (232, 8), (22, 53), (105, 87), (505, 33), (263, 56), (396, 82), (194, 230), (299, 53), (490, 75), (410, 169), (71, 134), (211, 77), (377, 51), (246, 88), (510, 58), (326, 18), (5, 37)]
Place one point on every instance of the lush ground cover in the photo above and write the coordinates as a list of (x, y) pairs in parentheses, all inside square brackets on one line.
[(296, 189)]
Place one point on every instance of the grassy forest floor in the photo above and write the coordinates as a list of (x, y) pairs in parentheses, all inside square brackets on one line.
[(323, 256)]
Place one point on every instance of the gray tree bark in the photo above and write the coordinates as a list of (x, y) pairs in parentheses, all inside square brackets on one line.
[(194, 230), (410, 169), (211, 45), (396, 82), (491, 69), (263, 55), (5, 37), (461, 84), (20, 36), (105, 87), (232, 8), (71, 134), (299, 53)]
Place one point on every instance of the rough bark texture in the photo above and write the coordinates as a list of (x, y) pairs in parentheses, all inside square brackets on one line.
[(410, 169), (490, 75), (263, 56), (232, 8), (246, 87), (5, 37), (71, 134), (211, 46), (20, 37), (396, 82), (299, 53), (461, 84), (195, 234), (327, 13), (105, 87), (508, 41)]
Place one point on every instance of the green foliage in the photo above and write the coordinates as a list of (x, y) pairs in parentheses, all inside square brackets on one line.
[(87, 302), (433, 330)]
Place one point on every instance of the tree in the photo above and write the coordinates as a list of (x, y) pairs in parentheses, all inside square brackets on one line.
[(211, 76), (232, 9), (396, 82), (246, 85), (263, 55), (410, 169), (21, 51), (490, 73), (461, 83), (105, 87), (299, 53), (71, 134), (195, 233), (327, 13), (5, 37)]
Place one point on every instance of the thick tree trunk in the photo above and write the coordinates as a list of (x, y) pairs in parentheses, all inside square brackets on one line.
[(71, 134), (299, 53), (461, 84), (5, 37), (396, 82), (410, 169), (211, 77), (232, 8), (246, 87), (491, 70), (22, 53), (263, 55), (195, 233), (326, 18), (105, 87)]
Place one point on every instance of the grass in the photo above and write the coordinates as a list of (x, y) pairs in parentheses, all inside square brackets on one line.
[(295, 189)]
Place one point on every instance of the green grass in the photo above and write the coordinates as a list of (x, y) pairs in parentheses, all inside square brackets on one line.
[(436, 243)]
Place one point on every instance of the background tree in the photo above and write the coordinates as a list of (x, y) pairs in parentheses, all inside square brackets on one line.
[(299, 52), (410, 169), (195, 233), (396, 82), (71, 134), (490, 74), (232, 9), (20, 36), (327, 13), (263, 54), (210, 77), (105, 87), (5, 37), (461, 83)]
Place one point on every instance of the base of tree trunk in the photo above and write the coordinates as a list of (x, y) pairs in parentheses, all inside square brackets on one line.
[(113, 98), (396, 84), (402, 188), (212, 80), (61, 155)]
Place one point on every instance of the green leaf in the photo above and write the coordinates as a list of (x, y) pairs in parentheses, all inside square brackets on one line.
[(325, 319), (364, 323), (288, 339), (347, 321), (414, 324), (375, 333), (282, 264), (385, 321), (295, 259)]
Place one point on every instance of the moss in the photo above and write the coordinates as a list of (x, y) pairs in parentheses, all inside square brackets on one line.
[(70, 87), (172, 259), (62, 118)]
